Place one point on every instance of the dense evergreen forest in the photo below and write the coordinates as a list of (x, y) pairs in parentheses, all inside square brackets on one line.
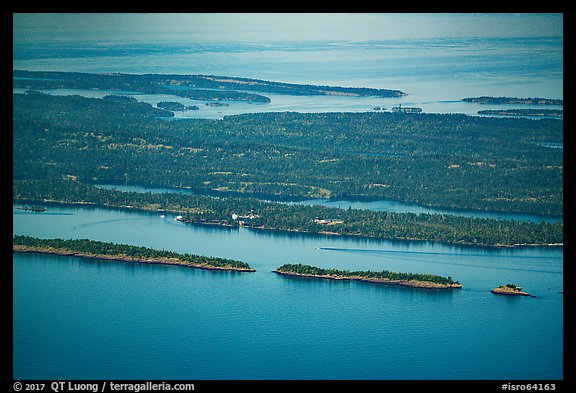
[(93, 247), (369, 275), (171, 106), (442, 160), (260, 215)]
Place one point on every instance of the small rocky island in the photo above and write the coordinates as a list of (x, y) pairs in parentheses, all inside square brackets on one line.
[(511, 290), (414, 280)]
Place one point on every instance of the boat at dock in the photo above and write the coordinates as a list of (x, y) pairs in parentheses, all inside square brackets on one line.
[(37, 209)]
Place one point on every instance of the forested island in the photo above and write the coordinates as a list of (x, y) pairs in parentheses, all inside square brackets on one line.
[(124, 253), (513, 100), (176, 106), (438, 160), (428, 281), (234, 212), (171, 106), (200, 87), (557, 113)]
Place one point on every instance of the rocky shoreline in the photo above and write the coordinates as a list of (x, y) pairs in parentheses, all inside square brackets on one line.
[(510, 290), (125, 258), (405, 283)]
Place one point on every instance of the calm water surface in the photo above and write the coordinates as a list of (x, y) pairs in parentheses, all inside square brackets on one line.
[(435, 73), (76, 318), (90, 319)]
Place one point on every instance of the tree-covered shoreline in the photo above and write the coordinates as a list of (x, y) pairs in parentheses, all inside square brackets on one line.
[(122, 252), (513, 100), (417, 280), (444, 161), (261, 215), (552, 113)]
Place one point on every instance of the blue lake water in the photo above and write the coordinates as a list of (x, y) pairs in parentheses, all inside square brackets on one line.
[(405, 207), (438, 69), (89, 319), (435, 73), (287, 103)]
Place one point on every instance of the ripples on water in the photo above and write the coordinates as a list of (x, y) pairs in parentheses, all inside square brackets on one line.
[(527, 266)]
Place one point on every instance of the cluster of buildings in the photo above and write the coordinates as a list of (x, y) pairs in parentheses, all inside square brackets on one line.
[(251, 216), (328, 221)]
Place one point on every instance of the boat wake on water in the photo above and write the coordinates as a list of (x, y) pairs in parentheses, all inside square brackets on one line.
[(102, 222), (417, 257)]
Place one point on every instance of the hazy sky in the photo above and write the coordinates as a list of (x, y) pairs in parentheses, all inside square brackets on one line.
[(280, 27)]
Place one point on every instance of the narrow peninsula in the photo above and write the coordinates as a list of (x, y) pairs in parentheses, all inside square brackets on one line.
[(553, 113), (255, 214), (427, 281), (513, 100), (197, 87), (123, 253)]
